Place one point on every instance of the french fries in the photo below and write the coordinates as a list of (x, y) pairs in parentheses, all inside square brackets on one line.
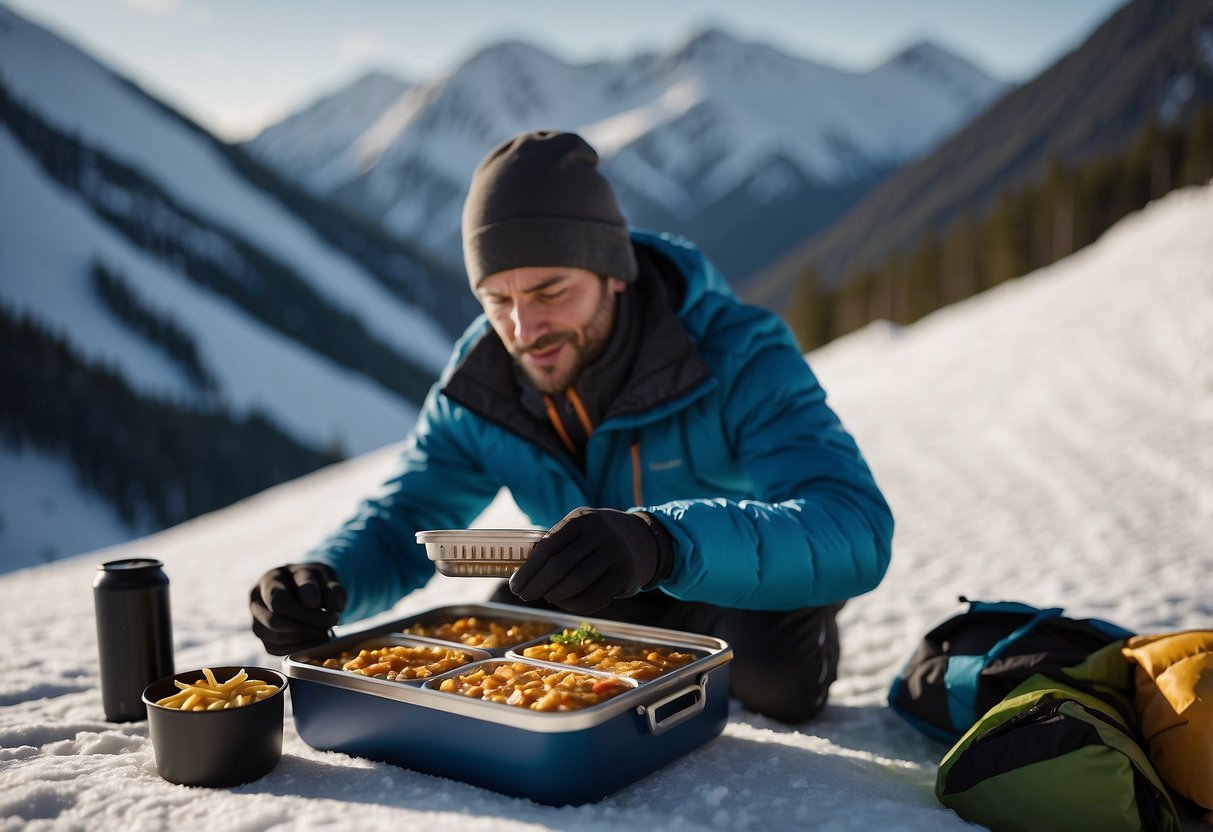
[(210, 694)]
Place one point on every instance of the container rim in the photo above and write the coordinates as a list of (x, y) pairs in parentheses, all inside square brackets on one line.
[(480, 535), (717, 653), (281, 679)]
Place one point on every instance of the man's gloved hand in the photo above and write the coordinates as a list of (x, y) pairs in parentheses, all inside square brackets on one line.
[(593, 556), (295, 606)]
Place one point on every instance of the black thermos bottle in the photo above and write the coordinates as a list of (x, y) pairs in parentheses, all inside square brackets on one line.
[(134, 633)]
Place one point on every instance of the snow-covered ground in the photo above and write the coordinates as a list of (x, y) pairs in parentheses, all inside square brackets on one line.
[(1050, 441)]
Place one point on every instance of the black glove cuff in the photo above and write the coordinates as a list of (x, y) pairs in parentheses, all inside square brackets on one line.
[(665, 550)]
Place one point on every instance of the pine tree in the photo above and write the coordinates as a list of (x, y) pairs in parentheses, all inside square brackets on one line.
[(810, 311), (1006, 242), (923, 280), (960, 260), (1197, 167)]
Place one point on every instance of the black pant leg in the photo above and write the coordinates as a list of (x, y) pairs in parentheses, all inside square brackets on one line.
[(783, 662)]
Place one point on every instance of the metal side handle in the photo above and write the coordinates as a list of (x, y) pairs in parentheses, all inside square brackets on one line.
[(660, 726)]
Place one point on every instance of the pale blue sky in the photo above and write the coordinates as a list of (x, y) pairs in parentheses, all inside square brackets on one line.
[(235, 65)]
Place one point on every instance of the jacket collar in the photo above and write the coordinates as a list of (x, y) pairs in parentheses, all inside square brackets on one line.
[(665, 365)]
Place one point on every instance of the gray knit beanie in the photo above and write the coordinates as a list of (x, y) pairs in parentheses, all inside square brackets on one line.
[(539, 200)]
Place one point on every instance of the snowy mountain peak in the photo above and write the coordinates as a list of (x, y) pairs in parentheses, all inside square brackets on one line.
[(935, 64), (328, 129), (930, 53), (711, 42), (511, 51), (510, 67), (502, 89), (720, 54), (378, 84)]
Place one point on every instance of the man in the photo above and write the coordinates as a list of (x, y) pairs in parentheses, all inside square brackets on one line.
[(618, 371)]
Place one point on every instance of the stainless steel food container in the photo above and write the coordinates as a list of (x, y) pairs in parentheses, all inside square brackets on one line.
[(557, 758), (479, 553)]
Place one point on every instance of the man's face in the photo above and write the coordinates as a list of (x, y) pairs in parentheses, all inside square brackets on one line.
[(553, 320)]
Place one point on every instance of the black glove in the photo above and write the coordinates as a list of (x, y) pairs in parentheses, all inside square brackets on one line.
[(593, 556), (296, 606)]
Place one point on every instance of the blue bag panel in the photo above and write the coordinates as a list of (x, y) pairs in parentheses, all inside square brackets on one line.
[(969, 662), (964, 672)]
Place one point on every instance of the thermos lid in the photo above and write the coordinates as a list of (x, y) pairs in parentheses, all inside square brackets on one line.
[(130, 563), (130, 573)]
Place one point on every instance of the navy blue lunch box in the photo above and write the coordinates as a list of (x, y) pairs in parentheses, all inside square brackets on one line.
[(556, 757)]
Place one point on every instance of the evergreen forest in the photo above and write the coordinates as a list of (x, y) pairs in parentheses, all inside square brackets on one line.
[(1028, 227)]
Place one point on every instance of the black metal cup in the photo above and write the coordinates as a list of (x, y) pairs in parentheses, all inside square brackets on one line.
[(216, 748), (134, 633)]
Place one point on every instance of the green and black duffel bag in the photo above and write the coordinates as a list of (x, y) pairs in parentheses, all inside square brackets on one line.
[(1059, 754)]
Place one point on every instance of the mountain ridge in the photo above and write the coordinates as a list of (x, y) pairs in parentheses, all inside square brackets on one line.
[(1091, 100), (714, 125), (248, 330)]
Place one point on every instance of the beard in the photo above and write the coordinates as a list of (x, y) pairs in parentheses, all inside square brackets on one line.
[(584, 346)]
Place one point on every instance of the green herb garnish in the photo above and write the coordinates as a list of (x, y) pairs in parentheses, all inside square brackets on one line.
[(582, 634)]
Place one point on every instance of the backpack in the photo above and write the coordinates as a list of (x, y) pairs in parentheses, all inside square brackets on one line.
[(970, 662), (1059, 757)]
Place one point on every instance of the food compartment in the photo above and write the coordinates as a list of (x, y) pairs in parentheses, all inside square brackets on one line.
[(587, 647), (531, 685), (394, 658), (494, 632)]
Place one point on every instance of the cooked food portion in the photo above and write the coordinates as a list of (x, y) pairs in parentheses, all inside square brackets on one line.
[(209, 694), (399, 662), (586, 647), (487, 633), (537, 688)]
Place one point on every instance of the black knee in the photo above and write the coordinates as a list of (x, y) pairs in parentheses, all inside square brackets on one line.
[(784, 663)]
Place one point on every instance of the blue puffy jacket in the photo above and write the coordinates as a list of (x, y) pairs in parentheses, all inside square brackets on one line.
[(735, 450)]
